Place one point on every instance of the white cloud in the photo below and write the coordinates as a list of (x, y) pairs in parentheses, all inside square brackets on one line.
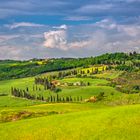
[(12, 52), (7, 37), (56, 39), (77, 18), (130, 30), (106, 23), (79, 44), (91, 8), (72, 41), (104, 36), (23, 24), (61, 27)]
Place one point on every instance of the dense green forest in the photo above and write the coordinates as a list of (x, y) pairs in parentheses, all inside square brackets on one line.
[(17, 69)]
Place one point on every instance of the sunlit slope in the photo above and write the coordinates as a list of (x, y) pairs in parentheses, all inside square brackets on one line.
[(119, 123)]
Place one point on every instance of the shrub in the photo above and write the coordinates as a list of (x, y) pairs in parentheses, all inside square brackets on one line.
[(100, 96), (78, 76), (56, 90), (3, 94), (136, 87)]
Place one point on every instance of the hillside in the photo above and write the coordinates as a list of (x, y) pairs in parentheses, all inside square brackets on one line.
[(119, 123), (85, 98), (11, 69)]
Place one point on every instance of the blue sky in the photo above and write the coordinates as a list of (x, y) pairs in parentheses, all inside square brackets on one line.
[(68, 28)]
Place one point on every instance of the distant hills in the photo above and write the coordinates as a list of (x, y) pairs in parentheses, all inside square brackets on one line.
[(10, 69)]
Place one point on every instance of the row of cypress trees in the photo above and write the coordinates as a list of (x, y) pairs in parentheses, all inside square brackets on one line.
[(25, 94), (64, 99), (22, 93), (46, 82)]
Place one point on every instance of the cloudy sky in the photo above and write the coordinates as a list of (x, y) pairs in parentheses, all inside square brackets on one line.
[(68, 28)]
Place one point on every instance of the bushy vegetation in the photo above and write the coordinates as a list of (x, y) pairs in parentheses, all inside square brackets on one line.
[(51, 99), (17, 69), (128, 82)]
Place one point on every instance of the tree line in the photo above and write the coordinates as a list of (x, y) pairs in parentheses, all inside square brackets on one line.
[(58, 99), (17, 69)]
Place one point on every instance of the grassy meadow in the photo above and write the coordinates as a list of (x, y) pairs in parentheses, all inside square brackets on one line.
[(119, 123), (110, 118), (85, 92)]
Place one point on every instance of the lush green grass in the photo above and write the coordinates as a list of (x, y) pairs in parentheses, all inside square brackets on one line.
[(87, 92), (109, 74), (5, 86), (8, 101), (96, 86), (22, 119), (118, 123), (94, 82), (19, 112)]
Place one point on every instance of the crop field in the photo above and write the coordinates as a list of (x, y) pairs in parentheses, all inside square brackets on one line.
[(92, 69)]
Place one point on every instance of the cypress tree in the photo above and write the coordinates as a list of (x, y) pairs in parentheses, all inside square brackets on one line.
[(54, 98), (42, 98), (67, 99), (12, 90), (36, 88), (70, 99), (51, 99), (48, 99), (77, 99), (33, 88), (57, 98), (63, 99), (60, 100), (27, 89), (81, 99)]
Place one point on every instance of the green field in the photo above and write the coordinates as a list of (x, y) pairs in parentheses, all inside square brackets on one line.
[(114, 117), (5, 86), (119, 123), (109, 74)]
